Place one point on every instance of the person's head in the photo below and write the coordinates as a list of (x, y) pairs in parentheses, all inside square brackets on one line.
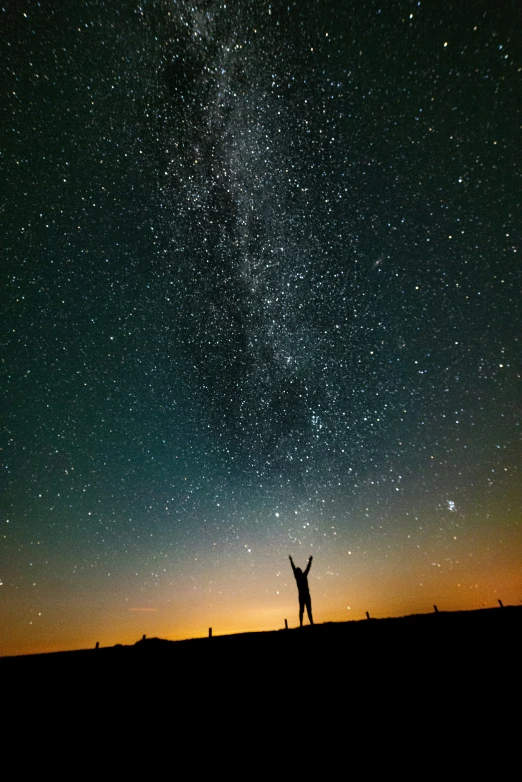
[(298, 571)]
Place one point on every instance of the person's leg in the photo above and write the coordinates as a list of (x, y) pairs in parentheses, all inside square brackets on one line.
[(309, 609), (301, 612)]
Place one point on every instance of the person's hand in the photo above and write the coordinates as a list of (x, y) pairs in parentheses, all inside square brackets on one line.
[(310, 559)]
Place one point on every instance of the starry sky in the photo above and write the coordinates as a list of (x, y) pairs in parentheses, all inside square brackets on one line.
[(261, 297)]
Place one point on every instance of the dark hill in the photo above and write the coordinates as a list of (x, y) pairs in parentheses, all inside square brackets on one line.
[(434, 644), (424, 688)]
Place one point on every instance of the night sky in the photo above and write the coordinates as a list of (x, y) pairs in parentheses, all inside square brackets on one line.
[(262, 297)]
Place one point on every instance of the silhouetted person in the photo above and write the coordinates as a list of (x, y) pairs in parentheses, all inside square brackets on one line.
[(302, 587)]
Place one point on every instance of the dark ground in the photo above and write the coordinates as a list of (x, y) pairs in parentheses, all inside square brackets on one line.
[(438, 645), (435, 685), (441, 649)]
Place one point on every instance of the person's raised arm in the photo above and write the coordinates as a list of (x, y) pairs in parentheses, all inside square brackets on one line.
[(308, 566), (292, 563)]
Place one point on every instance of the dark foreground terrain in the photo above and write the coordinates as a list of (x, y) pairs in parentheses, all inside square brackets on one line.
[(437, 682), (442, 648), (438, 645)]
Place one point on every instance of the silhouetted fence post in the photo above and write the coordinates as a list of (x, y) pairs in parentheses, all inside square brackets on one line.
[(501, 604), (97, 645), (286, 624), (210, 632), (367, 615), (436, 609)]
